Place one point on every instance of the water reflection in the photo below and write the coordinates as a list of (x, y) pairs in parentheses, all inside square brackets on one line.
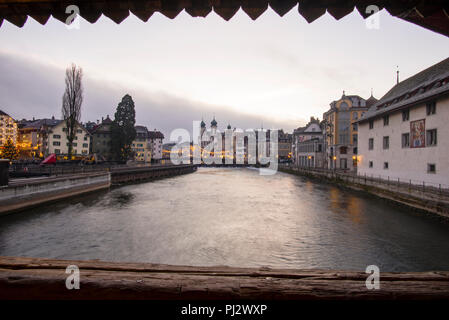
[(231, 217)]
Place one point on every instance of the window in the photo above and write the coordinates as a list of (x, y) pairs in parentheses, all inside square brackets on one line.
[(79, 131), (64, 129), (354, 151), (85, 138), (355, 115), (56, 136), (431, 137), (56, 143), (354, 139), (431, 168), (370, 164), (371, 143), (386, 120), (84, 151), (405, 115), (354, 127), (431, 108), (343, 150), (371, 124), (405, 140), (57, 151), (85, 145), (385, 165), (386, 142)]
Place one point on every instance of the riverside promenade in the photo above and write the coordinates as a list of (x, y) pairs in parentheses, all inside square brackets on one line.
[(432, 199), (23, 193)]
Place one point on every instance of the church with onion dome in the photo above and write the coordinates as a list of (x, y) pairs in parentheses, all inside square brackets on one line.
[(211, 132)]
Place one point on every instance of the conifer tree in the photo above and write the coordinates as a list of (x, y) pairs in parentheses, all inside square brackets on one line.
[(122, 129)]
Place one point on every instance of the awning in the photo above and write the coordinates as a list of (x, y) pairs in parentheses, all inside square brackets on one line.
[(432, 15)]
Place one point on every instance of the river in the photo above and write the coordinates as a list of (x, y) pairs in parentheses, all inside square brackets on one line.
[(234, 217)]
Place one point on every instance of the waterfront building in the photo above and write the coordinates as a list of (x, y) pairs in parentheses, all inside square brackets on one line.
[(33, 136), (166, 150), (8, 128), (102, 139), (141, 145), (155, 139), (56, 139), (402, 136), (308, 145), (341, 132), (284, 146), (29, 139)]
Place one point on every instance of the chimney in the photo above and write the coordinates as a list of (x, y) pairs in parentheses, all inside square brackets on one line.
[(98, 121), (52, 117), (102, 119)]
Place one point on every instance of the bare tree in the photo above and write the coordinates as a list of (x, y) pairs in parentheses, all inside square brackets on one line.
[(71, 102)]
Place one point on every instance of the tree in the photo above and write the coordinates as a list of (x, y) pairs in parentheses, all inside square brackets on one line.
[(71, 103), (9, 150), (122, 128)]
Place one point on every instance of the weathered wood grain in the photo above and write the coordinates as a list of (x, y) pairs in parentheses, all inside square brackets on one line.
[(35, 278)]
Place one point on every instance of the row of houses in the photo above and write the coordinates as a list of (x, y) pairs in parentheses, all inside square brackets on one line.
[(400, 136), (38, 138)]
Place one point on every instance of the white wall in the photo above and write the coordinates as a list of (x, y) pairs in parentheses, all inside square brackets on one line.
[(407, 163), (79, 149), (157, 148)]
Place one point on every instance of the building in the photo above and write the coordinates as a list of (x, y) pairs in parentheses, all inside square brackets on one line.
[(141, 145), (166, 150), (8, 128), (56, 139), (341, 133), (156, 138), (402, 136), (33, 136), (102, 139), (284, 146), (30, 139), (308, 145)]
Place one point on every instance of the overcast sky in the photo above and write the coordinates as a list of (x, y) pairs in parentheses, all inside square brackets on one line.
[(276, 71)]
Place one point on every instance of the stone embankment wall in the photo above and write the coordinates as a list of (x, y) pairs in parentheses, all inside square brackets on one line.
[(24, 193), (429, 199)]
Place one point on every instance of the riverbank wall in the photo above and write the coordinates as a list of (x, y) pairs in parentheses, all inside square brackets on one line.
[(42, 279), (425, 199), (25, 193), (138, 174)]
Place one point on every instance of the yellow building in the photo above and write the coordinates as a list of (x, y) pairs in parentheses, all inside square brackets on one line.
[(341, 133), (8, 128), (141, 146)]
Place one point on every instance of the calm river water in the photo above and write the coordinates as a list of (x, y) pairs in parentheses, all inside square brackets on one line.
[(236, 217)]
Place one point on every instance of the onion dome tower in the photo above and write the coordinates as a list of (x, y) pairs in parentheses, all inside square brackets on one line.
[(213, 123)]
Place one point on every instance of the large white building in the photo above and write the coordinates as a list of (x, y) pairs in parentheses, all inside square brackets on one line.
[(57, 142), (403, 135)]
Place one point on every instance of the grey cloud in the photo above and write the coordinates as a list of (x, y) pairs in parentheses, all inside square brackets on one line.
[(29, 88)]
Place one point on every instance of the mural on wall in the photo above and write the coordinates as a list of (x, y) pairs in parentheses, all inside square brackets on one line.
[(418, 133)]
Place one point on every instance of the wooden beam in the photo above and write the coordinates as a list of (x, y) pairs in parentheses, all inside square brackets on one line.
[(35, 278)]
